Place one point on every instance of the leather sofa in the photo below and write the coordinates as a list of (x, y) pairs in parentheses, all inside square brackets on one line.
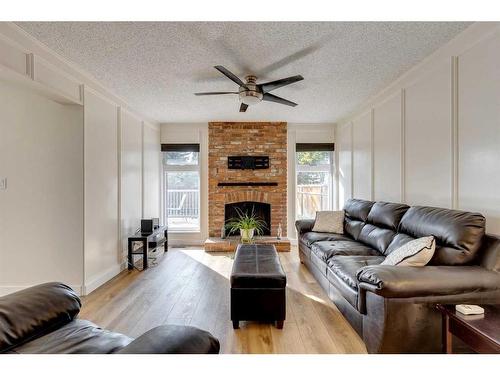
[(42, 320), (393, 307)]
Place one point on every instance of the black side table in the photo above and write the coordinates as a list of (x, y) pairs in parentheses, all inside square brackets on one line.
[(145, 239)]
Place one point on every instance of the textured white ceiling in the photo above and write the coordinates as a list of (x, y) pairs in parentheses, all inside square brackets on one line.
[(156, 67)]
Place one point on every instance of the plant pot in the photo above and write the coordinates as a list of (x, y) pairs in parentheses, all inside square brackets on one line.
[(247, 235)]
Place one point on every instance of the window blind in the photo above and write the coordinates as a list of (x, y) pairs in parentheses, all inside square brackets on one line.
[(180, 147), (303, 147)]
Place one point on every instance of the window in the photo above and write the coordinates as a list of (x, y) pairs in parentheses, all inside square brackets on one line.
[(181, 167), (314, 184)]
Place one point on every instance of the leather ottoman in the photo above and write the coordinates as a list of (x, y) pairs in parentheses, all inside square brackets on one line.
[(258, 285)]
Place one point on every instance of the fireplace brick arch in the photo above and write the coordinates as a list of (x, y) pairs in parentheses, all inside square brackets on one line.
[(246, 195)]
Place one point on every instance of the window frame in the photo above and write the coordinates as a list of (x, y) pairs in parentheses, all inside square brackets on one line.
[(181, 168), (329, 168)]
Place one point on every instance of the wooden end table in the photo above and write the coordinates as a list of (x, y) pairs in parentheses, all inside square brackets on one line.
[(480, 332)]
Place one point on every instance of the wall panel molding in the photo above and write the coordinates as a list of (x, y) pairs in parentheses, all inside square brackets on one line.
[(351, 134), (454, 132), (372, 157), (479, 130), (450, 129), (16, 36), (362, 150), (470, 37), (403, 147), (387, 149)]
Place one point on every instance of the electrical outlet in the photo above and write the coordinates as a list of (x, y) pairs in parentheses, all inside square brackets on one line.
[(3, 183)]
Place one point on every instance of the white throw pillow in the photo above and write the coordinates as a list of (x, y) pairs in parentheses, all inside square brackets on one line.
[(415, 253), (329, 221)]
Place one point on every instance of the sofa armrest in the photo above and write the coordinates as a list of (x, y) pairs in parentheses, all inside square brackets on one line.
[(173, 339), (36, 311), (408, 282), (304, 226)]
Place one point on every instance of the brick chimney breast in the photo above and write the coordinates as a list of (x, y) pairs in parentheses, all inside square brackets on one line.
[(247, 139)]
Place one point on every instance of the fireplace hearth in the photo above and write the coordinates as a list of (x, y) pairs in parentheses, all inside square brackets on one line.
[(259, 209)]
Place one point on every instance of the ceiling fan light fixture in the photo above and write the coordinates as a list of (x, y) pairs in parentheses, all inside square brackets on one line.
[(250, 97)]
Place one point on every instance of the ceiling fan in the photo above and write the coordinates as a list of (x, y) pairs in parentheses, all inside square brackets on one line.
[(251, 92)]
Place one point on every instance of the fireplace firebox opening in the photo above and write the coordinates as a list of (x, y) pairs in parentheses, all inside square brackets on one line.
[(261, 210)]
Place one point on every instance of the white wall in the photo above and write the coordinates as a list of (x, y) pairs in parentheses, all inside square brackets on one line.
[(343, 150), (428, 129), (436, 131), (362, 156), (41, 211), (478, 135), (387, 149), (111, 188), (151, 171), (130, 175), (102, 257)]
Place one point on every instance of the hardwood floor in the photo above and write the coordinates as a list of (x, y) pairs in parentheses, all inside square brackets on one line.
[(190, 286)]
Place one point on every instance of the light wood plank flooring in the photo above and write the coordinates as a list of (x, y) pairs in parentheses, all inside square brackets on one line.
[(190, 286)]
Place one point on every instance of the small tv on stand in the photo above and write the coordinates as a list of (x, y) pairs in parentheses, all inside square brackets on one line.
[(147, 226)]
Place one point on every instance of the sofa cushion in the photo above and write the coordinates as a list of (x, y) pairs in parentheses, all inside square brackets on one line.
[(458, 234), (326, 249), (378, 238), (257, 267), (76, 337), (35, 311), (318, 263), (387, 215), (353, 227), (358, 209), (311, 237), (346, 267)]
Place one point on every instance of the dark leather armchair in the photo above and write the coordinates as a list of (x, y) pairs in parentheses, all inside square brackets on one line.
[(392, 307), (42, 319)]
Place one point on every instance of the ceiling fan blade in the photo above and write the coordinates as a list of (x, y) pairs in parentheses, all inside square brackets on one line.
[(243, 107), (214, 93), (277, 99), (229, 75), (273, 85)]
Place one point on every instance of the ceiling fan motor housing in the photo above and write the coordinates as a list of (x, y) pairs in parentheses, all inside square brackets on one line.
[(250, 93)]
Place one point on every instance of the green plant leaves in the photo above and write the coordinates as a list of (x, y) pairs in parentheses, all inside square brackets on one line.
[(246, 221)]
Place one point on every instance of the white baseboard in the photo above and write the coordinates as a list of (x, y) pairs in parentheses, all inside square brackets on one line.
[(8, 289), (102, 278), (181, 242)]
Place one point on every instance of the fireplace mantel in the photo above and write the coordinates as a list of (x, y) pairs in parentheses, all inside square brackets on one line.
[(248, 183)]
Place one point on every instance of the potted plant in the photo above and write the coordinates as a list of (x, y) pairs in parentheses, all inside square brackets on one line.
[(247, 224)]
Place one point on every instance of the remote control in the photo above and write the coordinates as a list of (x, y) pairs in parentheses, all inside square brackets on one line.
[(469, 309)]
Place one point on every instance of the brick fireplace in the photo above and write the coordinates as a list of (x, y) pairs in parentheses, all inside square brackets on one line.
[(247, 139)]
